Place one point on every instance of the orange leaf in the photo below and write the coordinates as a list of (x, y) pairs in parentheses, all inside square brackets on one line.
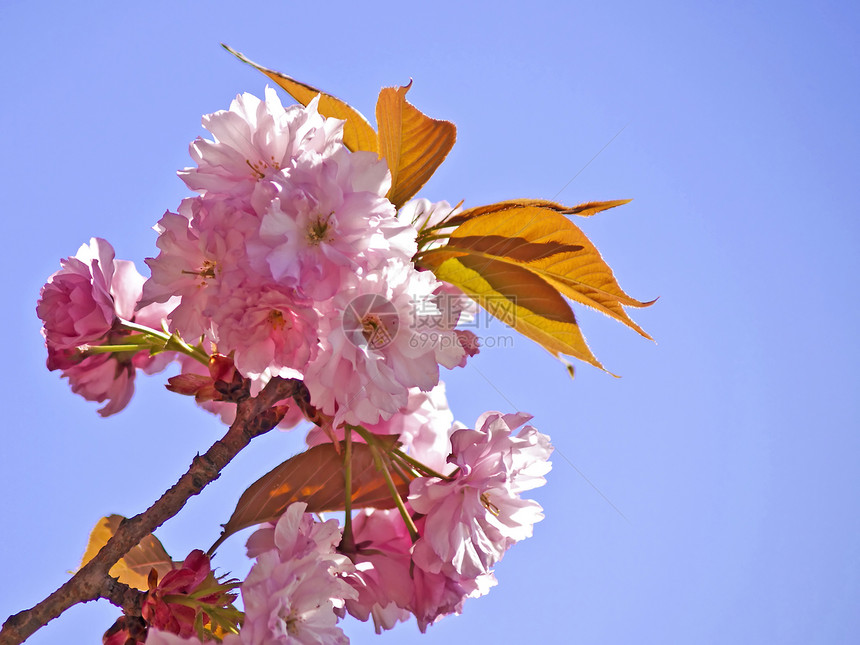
[(133, 568), (471, 213), (583, 210), (315, 476), (539, 238), (358, 134), (412, 143), (592, 208), (518, 298)]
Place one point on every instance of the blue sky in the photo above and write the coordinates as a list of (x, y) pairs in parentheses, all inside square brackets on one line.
[(708, 496)]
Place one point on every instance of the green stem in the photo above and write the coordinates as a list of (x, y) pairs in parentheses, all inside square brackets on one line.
[(400, 469), (172, 342), (420, 467), (146, 331), (392, 488), (347, 542), (110, 349)]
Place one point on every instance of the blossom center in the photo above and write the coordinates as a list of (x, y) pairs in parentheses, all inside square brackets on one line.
[(318, 230), (259, 167), (277, 320), (205, 272), (375, 332), (291, 622)]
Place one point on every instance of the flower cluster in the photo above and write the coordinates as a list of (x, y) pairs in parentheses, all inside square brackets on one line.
[(465, 522), (290, 262)]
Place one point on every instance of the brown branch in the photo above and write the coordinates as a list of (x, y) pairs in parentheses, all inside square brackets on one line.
[(254, 416), (129, 599)]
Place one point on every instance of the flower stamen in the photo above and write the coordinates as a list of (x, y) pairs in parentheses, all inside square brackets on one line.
[(318, 230), (375, 332), (492, 508)]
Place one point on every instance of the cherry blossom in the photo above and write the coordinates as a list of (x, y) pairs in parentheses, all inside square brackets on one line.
[(161, 609), (291, 262), (372, 350), (330, 218), (80, 302), (390, 585), (255, 143), (474, 517), (295, 586), (202, 257), (83, 305), (270, 330)]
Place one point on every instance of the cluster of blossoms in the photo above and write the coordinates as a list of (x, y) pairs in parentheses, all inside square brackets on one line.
[(304, 577), (290, 262), (292, 259)]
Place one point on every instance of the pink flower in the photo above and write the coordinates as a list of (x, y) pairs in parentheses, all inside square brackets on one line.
[(440, 594), (84, 305), (372, 347), (295, 587), (101, 378), (78, 304), (295, 535), (255, 143), (202, 257), (473, 518), (382, 569), (270, 330), (388, 582), (330, 218)]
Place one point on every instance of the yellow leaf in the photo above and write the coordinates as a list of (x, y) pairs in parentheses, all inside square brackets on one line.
[(133, 568), (358, 134), (518, 298), (412, 143), (583, 210), (591, 208), (539, 238)]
